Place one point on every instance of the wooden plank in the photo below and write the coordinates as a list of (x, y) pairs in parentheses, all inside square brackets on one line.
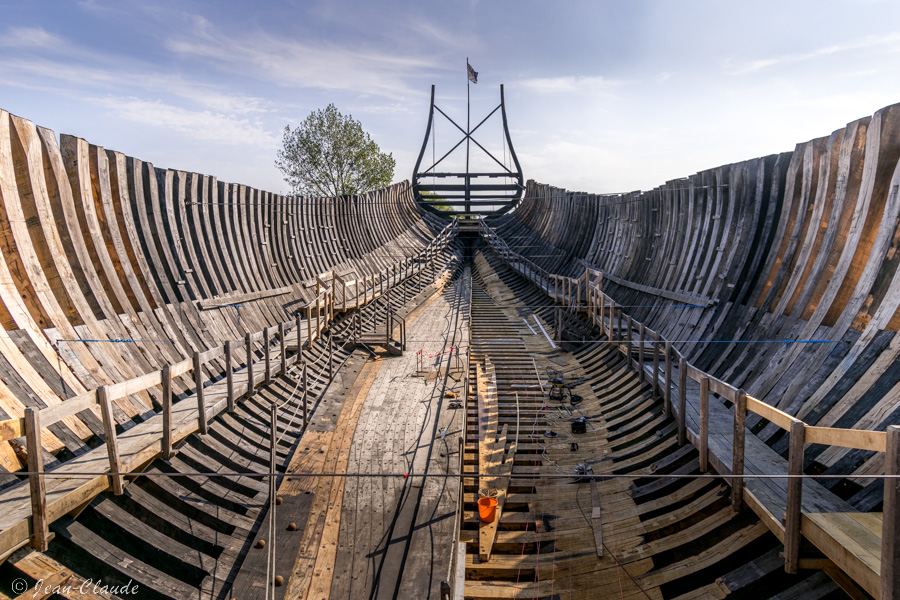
[(232, 299), (771, 413), (72, 406), (876, 441)]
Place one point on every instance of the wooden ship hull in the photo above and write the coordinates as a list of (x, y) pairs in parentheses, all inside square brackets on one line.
[(211, 391)]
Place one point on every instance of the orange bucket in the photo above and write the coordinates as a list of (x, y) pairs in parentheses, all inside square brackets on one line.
[(487, 509)]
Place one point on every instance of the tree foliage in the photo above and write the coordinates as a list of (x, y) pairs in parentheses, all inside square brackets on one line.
[(329, 154)]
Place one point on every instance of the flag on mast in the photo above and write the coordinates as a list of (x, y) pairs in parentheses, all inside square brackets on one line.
[(473, 74)]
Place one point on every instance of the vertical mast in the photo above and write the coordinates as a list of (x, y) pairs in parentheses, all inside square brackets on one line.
[(468, 133)]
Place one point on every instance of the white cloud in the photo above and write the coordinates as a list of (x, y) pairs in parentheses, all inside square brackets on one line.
[(29, 37), (889, 42), (568, 85), (295, 64), (199, 125)]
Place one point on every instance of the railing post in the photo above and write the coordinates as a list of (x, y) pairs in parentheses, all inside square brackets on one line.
[(890, 532), (229, 377), (656, 347), (281, 343), (299, 332), (667, 398), (305, 395), (794, 498), (628, 345), (33, 446), (642, 339), (267, 356), (166, 377), (330, 356), (201, 404), (112, 444), (682, 400), (737, 456), (249, 365), (704, 424)]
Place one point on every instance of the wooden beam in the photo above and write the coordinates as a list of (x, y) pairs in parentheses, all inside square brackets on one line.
[(738, 446), (682, 400), (704, 424), (229, 376), (112, 444), (40, 525), (267, 357), (202, 421), (890, 532), (167, 412), (668, 377), (281, 344), (249, 343), (656, 347), (305, 395), (794, 498), (642, 339)]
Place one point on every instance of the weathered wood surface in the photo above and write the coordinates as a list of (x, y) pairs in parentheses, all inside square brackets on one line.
[(386, 536)]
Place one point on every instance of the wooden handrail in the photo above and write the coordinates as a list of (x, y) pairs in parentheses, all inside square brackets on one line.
[(860, 439), (11, 429), (34, 421)]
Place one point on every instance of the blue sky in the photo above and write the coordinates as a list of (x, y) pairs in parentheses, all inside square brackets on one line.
[(601, 96)]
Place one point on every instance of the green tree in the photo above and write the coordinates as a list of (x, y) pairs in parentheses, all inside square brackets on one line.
[(329, 154)]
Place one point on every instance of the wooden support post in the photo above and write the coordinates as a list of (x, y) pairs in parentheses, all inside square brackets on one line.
[(37, 488), (642, 339), (618, 311), (167, 412), (267, 356), (555, 288), (794, 498), (299, 332), (559, 324), (273, 452), (704, 424), (283, 358), (890, 532), (249, 366), (682, 400), (667, 394), (201, 404), (331, 355), (229, 376), (737, 456), (628, 345), (305, 395), (112, 444), (309, 336), (656, 348)]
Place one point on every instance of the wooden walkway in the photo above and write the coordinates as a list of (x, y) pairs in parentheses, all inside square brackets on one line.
[(385, 537), (850, 538)]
